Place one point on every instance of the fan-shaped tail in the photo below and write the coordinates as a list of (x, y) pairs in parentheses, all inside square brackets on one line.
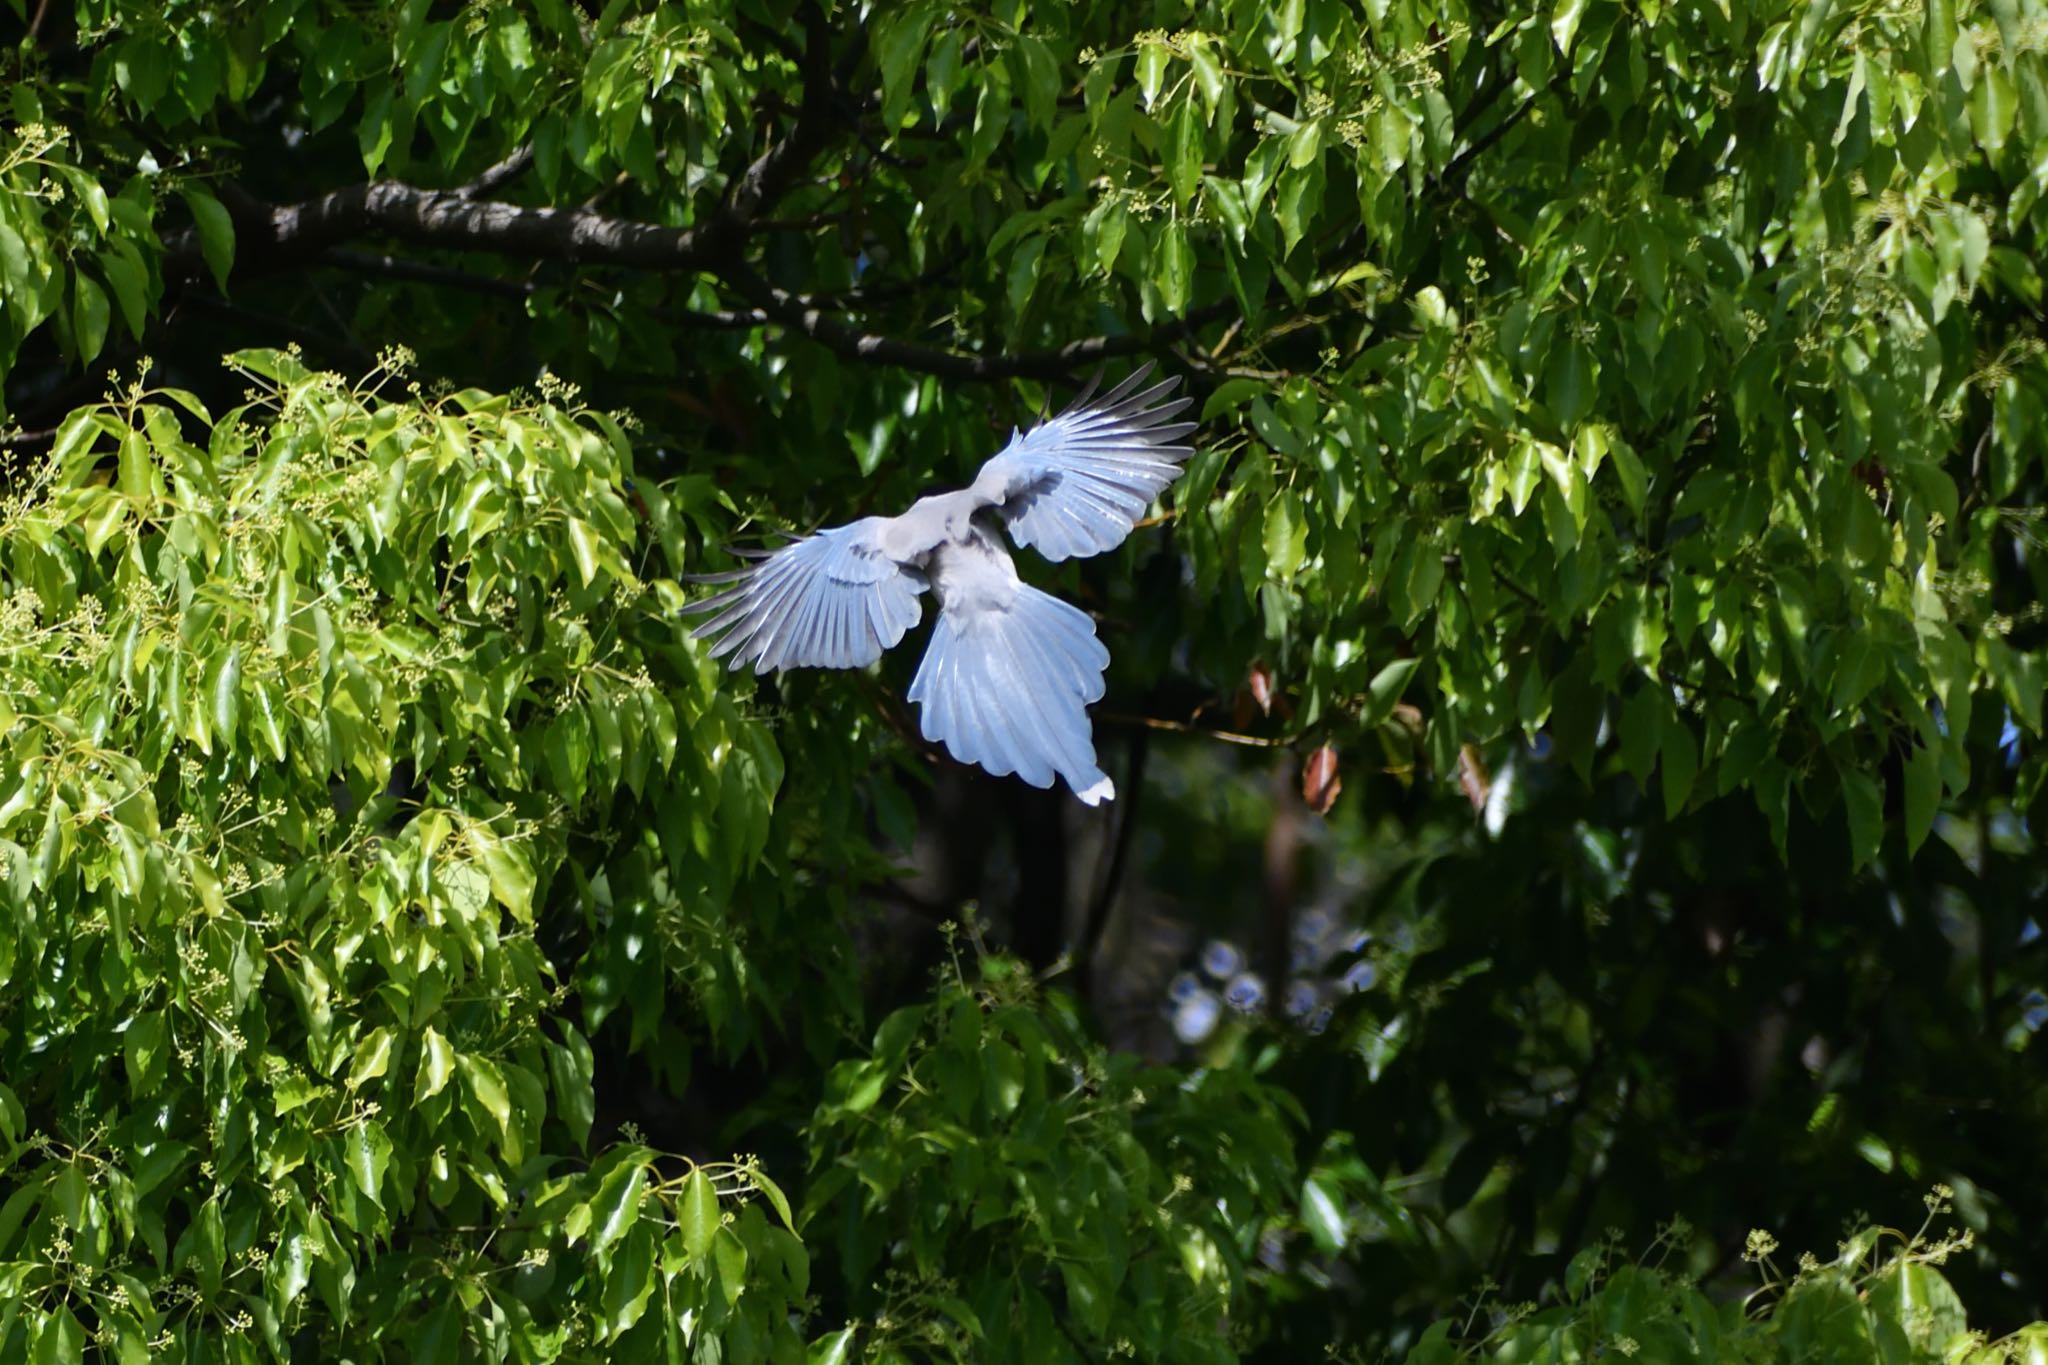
[(1008, 688)]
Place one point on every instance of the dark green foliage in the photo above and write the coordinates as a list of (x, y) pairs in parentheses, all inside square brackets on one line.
[(1620, 463)]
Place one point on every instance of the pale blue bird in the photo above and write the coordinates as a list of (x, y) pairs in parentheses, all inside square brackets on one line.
[(1010, 671)]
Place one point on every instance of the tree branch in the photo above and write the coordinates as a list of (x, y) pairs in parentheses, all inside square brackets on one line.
[(462, 219), (29, 440), (440, 218), (853, 343), (500, 175), (771, 174)]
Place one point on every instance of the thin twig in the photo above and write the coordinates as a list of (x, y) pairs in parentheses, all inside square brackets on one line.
[(497, 177), (1179, 727), (856, 344), (28, 440)]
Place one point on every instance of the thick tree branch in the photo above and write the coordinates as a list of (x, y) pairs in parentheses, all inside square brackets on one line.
[(274, 232), (853, 343)]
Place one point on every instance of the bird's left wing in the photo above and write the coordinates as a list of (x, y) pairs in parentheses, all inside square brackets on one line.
[(1077, 483), (835, 599)]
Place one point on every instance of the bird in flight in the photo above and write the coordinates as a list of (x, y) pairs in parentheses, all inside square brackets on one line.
[(1010, 671)]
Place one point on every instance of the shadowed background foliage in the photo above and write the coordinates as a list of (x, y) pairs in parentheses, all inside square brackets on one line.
[(1577, 723)]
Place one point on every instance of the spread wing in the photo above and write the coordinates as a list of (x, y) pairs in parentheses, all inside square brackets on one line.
[(1075, 484), (831, 600)]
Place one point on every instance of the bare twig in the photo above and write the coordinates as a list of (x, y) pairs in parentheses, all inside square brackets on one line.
[(1179, 727), (29, 440)]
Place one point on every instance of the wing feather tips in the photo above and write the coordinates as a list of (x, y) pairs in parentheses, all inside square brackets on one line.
[(1095, 467), (832, 600)]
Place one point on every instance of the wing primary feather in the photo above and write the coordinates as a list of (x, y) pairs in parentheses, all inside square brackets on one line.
[(777, 618), (764, 611), (722, 576)]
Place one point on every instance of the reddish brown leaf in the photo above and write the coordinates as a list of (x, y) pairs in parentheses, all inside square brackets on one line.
[(1262, 686), (1319, 781), (1473, 779), (1240, 709)]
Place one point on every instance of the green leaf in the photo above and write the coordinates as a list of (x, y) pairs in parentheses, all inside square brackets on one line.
[(1433, 1347), (1286, 538), (1002, 1070), (142, 1050), (1386, 688), (1184, 157), (437, 1064), (60, 1340), (366, 1150), (1863, 802), (1923, 794), (225, 693), (439, 1338), (204, 1245), (1681, 752), (130, 283), (1569, 382), (1174, 267), (629, 1282), (1208, 69), (1412, 587), (942, 70), (511, 873), (1153, 58), (13, 1121), (774, 1195), (1322, 1213), (571, 1073), (1109, 221), (90, 314), (697, 1214), (584, 544), (834, 1348), (615, 1208), (1642, 731), (1023, 272), (290, 1269), (216, 232), (487, 1084), (1300, 198), (899, 44), (1564, 23), (372, 1057)]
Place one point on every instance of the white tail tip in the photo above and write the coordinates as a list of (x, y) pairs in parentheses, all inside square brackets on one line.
[(1105, 790)]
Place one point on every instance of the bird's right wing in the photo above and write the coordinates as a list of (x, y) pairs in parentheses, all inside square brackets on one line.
[(835, 599), (1077, 483)]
